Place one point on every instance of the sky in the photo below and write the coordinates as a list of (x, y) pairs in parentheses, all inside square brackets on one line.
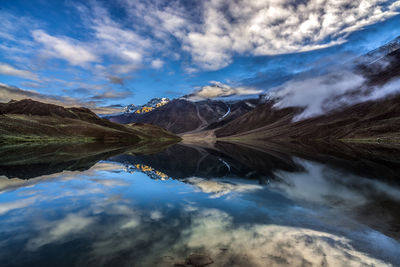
[(108, 53)]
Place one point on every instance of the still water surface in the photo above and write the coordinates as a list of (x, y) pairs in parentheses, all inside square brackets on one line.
[(158, 210)]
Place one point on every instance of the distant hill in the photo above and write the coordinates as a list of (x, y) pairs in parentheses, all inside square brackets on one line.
[(27, 121)]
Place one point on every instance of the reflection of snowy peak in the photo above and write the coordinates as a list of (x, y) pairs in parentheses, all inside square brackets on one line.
[(149, 171), (149, 106)]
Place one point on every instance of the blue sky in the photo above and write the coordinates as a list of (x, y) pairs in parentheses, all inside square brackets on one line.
[(101, 53)]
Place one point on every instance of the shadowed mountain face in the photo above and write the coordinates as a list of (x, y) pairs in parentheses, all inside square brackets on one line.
[(28, 120), (181, 116)]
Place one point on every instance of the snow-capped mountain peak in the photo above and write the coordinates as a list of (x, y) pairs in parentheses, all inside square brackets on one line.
[(149, 106)]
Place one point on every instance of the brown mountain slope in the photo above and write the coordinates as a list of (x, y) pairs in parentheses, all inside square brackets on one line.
[(365, 121), (28, 120)]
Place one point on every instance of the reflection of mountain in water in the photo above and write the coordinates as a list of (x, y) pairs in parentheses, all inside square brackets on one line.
[(30, 161), (249, 161), (181, 162), (262, 161)]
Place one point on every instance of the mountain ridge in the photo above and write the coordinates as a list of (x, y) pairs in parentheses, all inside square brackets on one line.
[(32, 121)]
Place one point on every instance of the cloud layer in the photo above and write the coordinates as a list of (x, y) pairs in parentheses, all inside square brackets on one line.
[(226, 28), (212, 32)]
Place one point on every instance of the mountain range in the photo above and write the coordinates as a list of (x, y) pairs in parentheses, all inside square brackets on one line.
[(373, 120), (182, 115)]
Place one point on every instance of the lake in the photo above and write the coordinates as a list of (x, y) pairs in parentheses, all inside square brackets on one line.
[(228, 205)]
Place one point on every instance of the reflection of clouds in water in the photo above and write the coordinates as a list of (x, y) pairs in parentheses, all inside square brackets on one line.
[(220, 188), (131, 223), (18, 204), (156, 215), (324, 185), (351, 200), (110, 182), (214, 233), (119, 231), (93, 184), (60, 230)]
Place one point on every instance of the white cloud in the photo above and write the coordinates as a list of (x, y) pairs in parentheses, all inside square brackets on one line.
[(115, 40), (157, 63), (65, 48), (7, 69), (316, 94), (218, 89)]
